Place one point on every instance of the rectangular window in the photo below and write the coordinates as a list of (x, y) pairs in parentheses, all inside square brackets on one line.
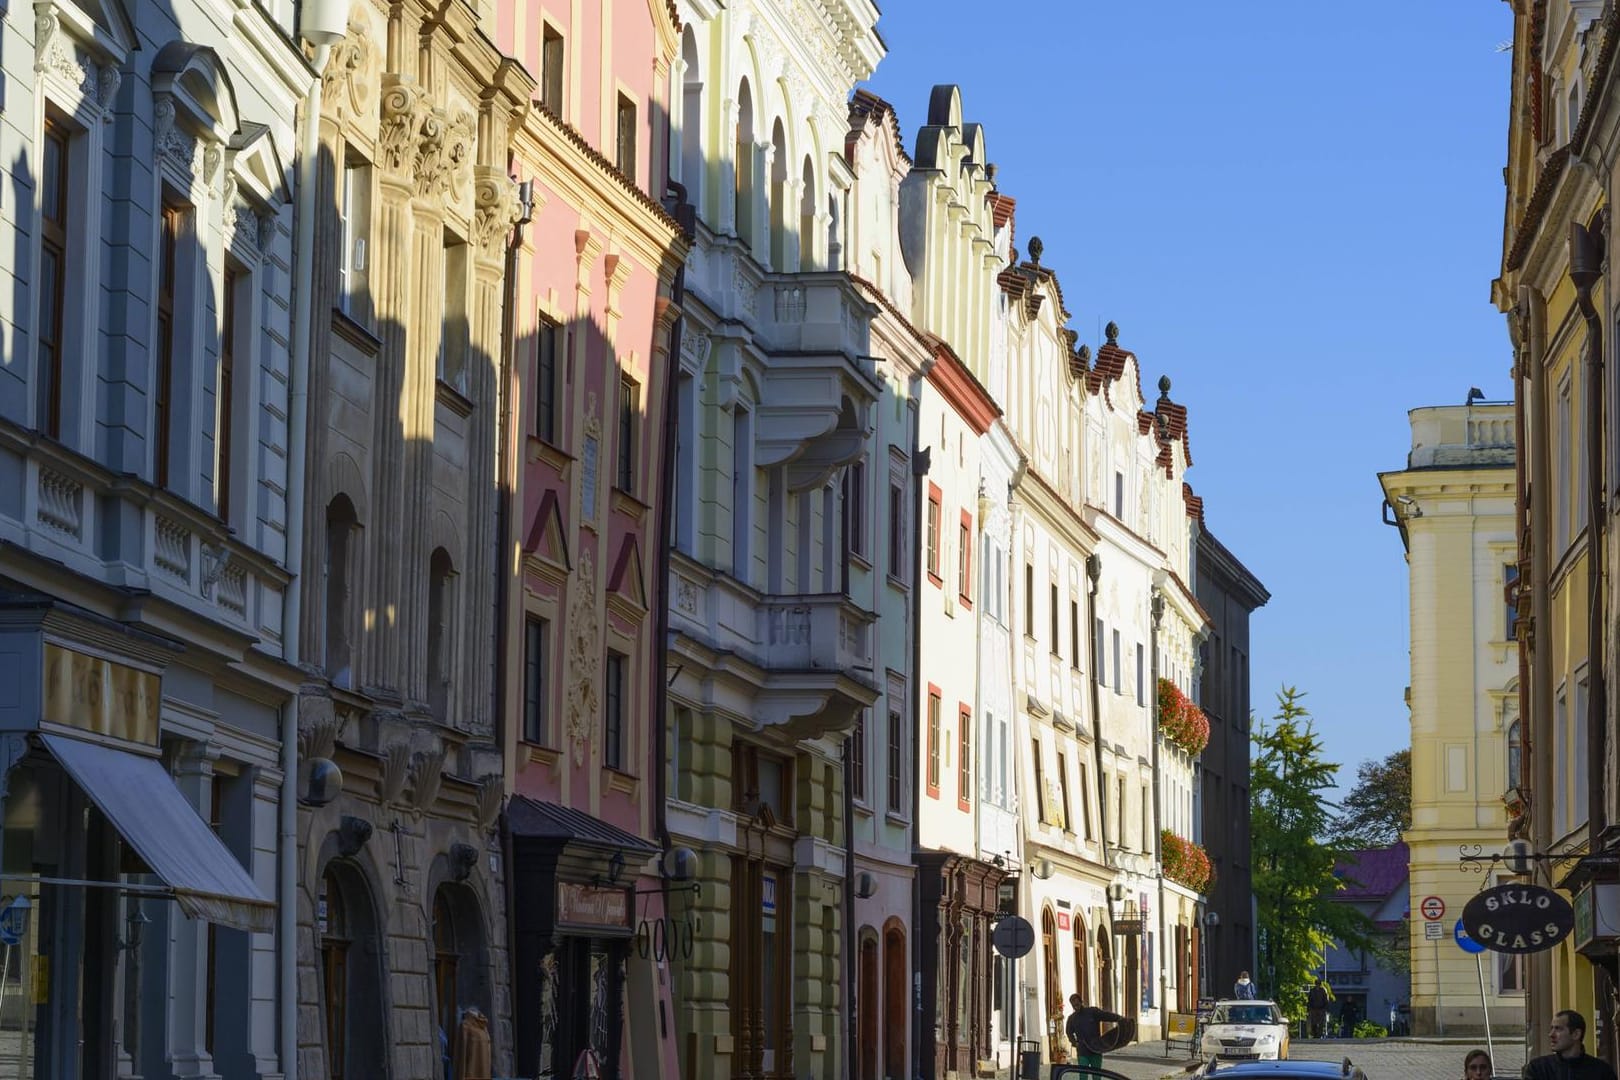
[(453, 327), (55, 168), (964, 757), (354, 218), (1074, 634), (613, 706), (1119, 816), (1562, 433), (225, 396), (536, 671), (629, 413), (934, 524), (1102, 652), (964, 558), (1085, 803), (742, 490), (1053, 616), (1147, 821), (857, 758), (551, 70), (855, 506), (897, 762), (548, 345), (1029, 600), (897, 532), (1119, 495), (1063, 791), (933, 742), (1578, 757), (1040, 781), (1560, 738), (1141, 674), (1119, 687), (1510, 597), (625, 144), (170, 230)]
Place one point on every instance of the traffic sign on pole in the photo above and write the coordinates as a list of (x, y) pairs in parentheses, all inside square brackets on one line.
[(1464, 942), (1433, 908)]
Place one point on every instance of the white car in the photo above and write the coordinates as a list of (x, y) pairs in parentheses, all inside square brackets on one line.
[(1245, 1031)]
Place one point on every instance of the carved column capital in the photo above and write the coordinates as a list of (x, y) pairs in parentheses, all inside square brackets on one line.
[(495, 208)]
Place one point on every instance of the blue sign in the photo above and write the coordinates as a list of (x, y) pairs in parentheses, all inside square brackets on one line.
[(1464, 942), (14, 921)]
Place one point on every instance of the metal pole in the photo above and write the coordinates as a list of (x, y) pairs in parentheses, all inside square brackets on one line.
[(1485, 1007), (1439, 1013)]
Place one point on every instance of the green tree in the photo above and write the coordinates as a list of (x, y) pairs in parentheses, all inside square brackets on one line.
[(1293, 863), (1379, 808)]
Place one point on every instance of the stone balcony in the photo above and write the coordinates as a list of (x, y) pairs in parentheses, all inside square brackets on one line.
[(807, 658), (119, 530)]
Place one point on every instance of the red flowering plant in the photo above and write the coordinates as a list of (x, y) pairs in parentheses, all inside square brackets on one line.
[(1185, 862), (1182, 722)]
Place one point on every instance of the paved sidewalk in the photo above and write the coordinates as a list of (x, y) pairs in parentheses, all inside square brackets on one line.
[(1406, 1059)]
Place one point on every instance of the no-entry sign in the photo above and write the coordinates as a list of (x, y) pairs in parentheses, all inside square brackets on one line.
[(1433, 908)]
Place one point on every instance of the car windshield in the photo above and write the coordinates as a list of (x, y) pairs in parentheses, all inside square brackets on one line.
[(1246, 1014)]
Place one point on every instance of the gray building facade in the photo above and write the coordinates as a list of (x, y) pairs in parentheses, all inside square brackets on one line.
[(1230, 594)]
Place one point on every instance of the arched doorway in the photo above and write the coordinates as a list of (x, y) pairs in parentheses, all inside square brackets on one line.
[(460, 965), (896, 979), (1105, 969), (867, 1005), (351, 973), (1054, 988)]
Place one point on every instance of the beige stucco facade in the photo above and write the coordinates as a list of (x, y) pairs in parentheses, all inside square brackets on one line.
[(1454, 505)]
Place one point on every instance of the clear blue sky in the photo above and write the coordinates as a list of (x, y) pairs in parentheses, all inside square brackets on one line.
[(1292, 209)]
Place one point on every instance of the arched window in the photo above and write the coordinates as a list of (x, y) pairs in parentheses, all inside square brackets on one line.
[(745, 179), (807, 219), (440, 572), (1105, 969), (460, 962), (335, 942), (779, 199), (1515, 754), (1054, 986), (341, 523), (692, 121), (896, 998), (1082, 980), (445, 958), (866, 1009)]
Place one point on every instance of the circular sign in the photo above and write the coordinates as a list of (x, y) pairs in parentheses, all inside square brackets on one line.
[(1464, 942), (1013, 937), (1518, 918), (1433, 908)]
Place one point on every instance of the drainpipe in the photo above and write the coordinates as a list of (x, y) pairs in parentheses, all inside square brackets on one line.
[(323, 24), (1156, 611), (921, 459), (1539, 1004), (1586, 253), (1094, 579)]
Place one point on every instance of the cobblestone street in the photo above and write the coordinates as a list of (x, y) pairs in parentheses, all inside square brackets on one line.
[(1381, 1059)]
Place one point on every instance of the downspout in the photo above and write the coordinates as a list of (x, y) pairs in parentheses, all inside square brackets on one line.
[(1586, 255), (921, 459), (1094, 580), (1156, 611), (323, 24), (1539, 1006)]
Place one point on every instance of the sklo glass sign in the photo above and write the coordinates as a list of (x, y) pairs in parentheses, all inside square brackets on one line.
[(1518, 918)]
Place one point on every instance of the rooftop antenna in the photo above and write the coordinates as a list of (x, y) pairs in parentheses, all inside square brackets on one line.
[(1504, 46)]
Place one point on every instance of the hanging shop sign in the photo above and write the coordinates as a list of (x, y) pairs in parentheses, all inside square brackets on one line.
[(1518, 918), (100, 696), (586, 906)]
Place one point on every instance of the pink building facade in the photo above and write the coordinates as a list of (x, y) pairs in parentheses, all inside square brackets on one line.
[(591, 317)]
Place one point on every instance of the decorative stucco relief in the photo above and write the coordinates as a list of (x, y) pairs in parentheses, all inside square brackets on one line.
[(495, 206), (584, 658), (346, 81), (403, 105)]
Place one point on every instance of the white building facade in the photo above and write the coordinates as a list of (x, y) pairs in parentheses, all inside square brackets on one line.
[(144, 513)]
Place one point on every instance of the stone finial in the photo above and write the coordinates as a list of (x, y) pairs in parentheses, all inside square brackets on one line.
[(1035, 249), (1084, 354), (1164, 386), (1111, 331)]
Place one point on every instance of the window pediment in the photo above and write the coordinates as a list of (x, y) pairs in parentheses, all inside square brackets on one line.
[(192, 80), (257, 169), (101, 27)]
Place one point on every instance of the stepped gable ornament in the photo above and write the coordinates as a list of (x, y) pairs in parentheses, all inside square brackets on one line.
[(584, 658), (495, 206), (1035, 249), (1111, 332)]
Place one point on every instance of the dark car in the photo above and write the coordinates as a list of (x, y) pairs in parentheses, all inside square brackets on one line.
[(1282, 1070)]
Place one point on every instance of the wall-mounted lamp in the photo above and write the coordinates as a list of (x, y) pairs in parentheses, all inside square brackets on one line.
[(325, 782), (1212, 918), (134, 928), (1043, 869), (865, 885), (1116, 893)]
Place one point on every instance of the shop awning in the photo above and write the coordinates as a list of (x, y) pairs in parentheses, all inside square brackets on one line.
[(151, 814)]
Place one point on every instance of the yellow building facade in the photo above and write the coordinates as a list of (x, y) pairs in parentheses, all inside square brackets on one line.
[(1553, 291), (1454, 505)]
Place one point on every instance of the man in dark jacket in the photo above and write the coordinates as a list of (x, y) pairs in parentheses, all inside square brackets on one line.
[(1084, 1029), (1316, 1007), (1569, 1059)]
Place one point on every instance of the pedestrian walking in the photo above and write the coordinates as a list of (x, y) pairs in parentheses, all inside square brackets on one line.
[(1316, 1008), (1084, 1030), (1569, 1059), (1477, 1066), (1243, 989)]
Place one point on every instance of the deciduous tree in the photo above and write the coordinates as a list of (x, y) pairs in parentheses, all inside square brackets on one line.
[(1379, 808), (1293, 862)]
